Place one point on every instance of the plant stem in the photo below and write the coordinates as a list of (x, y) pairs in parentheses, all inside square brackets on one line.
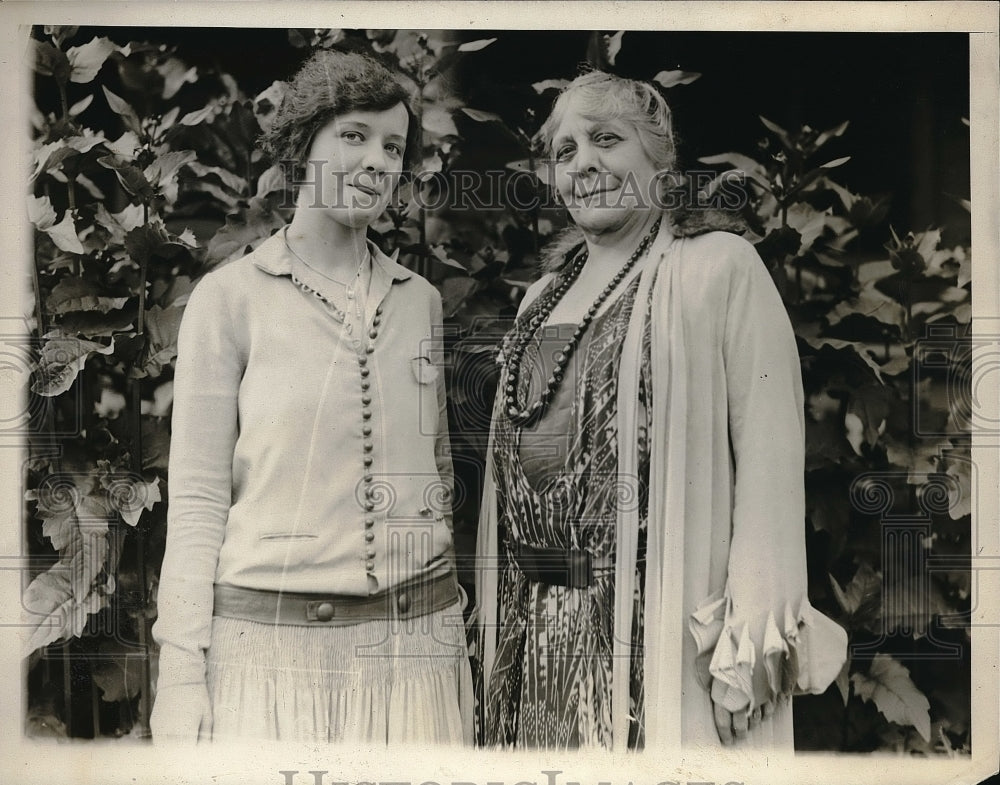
[(71, 202), (534, 212), (145, 705), (37, 286), (64, 103), (845, 724)]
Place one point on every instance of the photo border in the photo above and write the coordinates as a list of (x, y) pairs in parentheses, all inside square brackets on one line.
[(44, 761)]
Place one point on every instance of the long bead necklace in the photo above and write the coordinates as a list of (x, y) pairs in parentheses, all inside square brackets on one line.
[(517, 340)]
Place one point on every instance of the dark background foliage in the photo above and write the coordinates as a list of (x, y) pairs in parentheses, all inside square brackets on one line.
[(856, 158)]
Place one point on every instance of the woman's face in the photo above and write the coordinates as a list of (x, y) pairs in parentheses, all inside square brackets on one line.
[(356, 161), (602, 172)]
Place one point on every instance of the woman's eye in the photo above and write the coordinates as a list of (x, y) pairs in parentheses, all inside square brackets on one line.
[(607, 139), (564, 153), (395, 150), (352, 136)]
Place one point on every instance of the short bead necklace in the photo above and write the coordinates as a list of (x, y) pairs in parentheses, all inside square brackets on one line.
[(352, 290), (516, 342)]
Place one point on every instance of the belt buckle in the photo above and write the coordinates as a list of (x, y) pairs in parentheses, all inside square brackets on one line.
[(580, 574), (320, 611)]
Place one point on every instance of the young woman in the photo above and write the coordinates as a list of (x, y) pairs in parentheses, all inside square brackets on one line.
[(645, 486), (308, 590)]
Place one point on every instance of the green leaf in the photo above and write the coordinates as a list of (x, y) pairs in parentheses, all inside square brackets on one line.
[(843, 681), (58, 602), (123, 109), (200, 115), (272, 180), (130, 176), (827, 135), (156, 433), (867, 411), (117, 670), (888, 685), (438, 121), (861, 599), (130, 495), (438, 253), (857, 350), (175, 76), (51, 156), (744, 164), (959, 494), (674, 78), (454, 293), (61, 360), (40, 212), (233, 182), (613, 43), (87, 60), (550, 84), (123, 148), (482, 117), (47, 604), (475, 46), (873, 303), (912, 605), (243, 230), (835, 162), (144, 241), (94, 324), (64, 235), (266, 103), (81, 105), (162, 326), (62, 33), (166, 166), (778, 131), (78, 294), (49, 61), (56, 500)]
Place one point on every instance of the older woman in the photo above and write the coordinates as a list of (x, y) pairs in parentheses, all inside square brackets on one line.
[(308, 590), (645, 489)]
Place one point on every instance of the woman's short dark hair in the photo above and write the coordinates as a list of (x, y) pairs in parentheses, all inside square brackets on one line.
[(328, 85)]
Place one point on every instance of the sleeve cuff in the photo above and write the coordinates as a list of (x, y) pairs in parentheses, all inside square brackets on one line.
[(801, 653), (179, 667)]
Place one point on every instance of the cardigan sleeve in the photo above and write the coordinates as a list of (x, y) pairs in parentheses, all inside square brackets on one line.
[(203, 439), (442, 442), (759, 638)]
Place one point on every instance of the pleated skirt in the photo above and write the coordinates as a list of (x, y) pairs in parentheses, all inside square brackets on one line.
[(378, 682)]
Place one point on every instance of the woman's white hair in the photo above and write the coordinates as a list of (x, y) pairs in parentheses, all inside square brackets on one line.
[(603, 96)]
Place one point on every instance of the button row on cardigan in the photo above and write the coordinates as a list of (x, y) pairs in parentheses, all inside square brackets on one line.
[(367, 445)]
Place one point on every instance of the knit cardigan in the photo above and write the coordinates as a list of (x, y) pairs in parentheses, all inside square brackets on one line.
[(726, 611)]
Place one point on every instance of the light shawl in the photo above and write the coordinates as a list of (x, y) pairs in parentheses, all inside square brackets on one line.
[(726, 609)]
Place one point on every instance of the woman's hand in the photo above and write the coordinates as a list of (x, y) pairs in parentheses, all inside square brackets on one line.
[(733, 726), (182, 713)]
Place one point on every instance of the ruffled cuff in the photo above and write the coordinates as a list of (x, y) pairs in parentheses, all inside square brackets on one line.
[(801, 652)]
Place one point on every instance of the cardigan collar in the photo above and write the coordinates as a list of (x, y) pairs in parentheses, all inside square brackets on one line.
[(274, 257)]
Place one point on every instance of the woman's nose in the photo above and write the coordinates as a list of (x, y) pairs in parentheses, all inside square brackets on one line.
[(374, 159), (586, 159)]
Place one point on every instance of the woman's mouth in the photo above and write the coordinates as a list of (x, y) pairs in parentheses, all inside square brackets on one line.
[(367, 189)]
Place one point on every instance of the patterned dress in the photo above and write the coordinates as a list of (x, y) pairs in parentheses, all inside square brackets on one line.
[(558, 486)]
